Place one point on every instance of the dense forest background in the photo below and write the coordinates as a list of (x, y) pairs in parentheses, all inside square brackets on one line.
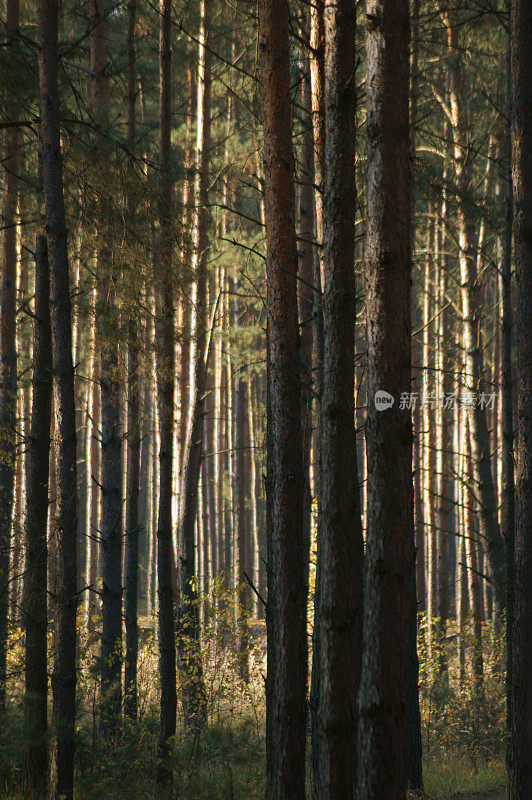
[(262, 343)]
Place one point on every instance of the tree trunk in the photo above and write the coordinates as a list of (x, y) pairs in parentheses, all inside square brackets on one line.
[(64, 676), (8, 356), (469, 281), (190, 662), (241, 519), (286, 683), (35, 589), (93, 502), (133, 430), (520, 771), (165, 356), (340, 573), (390, 554), (111, 444)]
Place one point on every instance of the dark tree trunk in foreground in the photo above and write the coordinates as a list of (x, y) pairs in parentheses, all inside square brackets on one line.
[(390, 523), (133, 430), (35, 594), (111, 444), (189, 634), (8, 356), (286, 685), (520, 761), (340, 591), (64, 676), (165, 360)]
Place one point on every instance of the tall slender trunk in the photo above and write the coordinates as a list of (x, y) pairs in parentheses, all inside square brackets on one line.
[(340, 590), (190, 662), (133, 425), (470, 290), (255, 547), (111, 439), (35, 588), (414, 757), (520, 770), (305, 291), (64, 676), (317, 44), (93, 503), (8, 356), (390, 553), (165, 358), (507, 500), (240, 495), (474, 579), (286, 683)]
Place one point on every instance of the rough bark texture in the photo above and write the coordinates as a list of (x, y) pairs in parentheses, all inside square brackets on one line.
[(390, 523), (340, 590), (64, 675), (37, 469), (8, 357), (286, 684), (520, 770)]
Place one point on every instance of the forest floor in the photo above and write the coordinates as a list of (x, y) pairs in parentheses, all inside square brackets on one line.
[(463, 741)]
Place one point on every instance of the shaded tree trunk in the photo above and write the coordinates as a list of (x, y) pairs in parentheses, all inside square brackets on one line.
[(340, 574), (133, 428), (165, 358), (111, 439), (286, 683), (390, 554), (64, 676), (8, 356), (35, 588), (520, 770)]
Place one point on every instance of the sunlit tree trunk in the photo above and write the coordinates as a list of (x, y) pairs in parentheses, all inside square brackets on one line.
[(189, 635), (470, 289)]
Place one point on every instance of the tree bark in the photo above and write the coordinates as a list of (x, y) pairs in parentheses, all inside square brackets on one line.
[(165, 357), (133, 427), (520, 771), (64, 676), (390, 553), (340, 573), (111, 439), (35, 589), (189, 635), (8, 355), (286, 682)]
